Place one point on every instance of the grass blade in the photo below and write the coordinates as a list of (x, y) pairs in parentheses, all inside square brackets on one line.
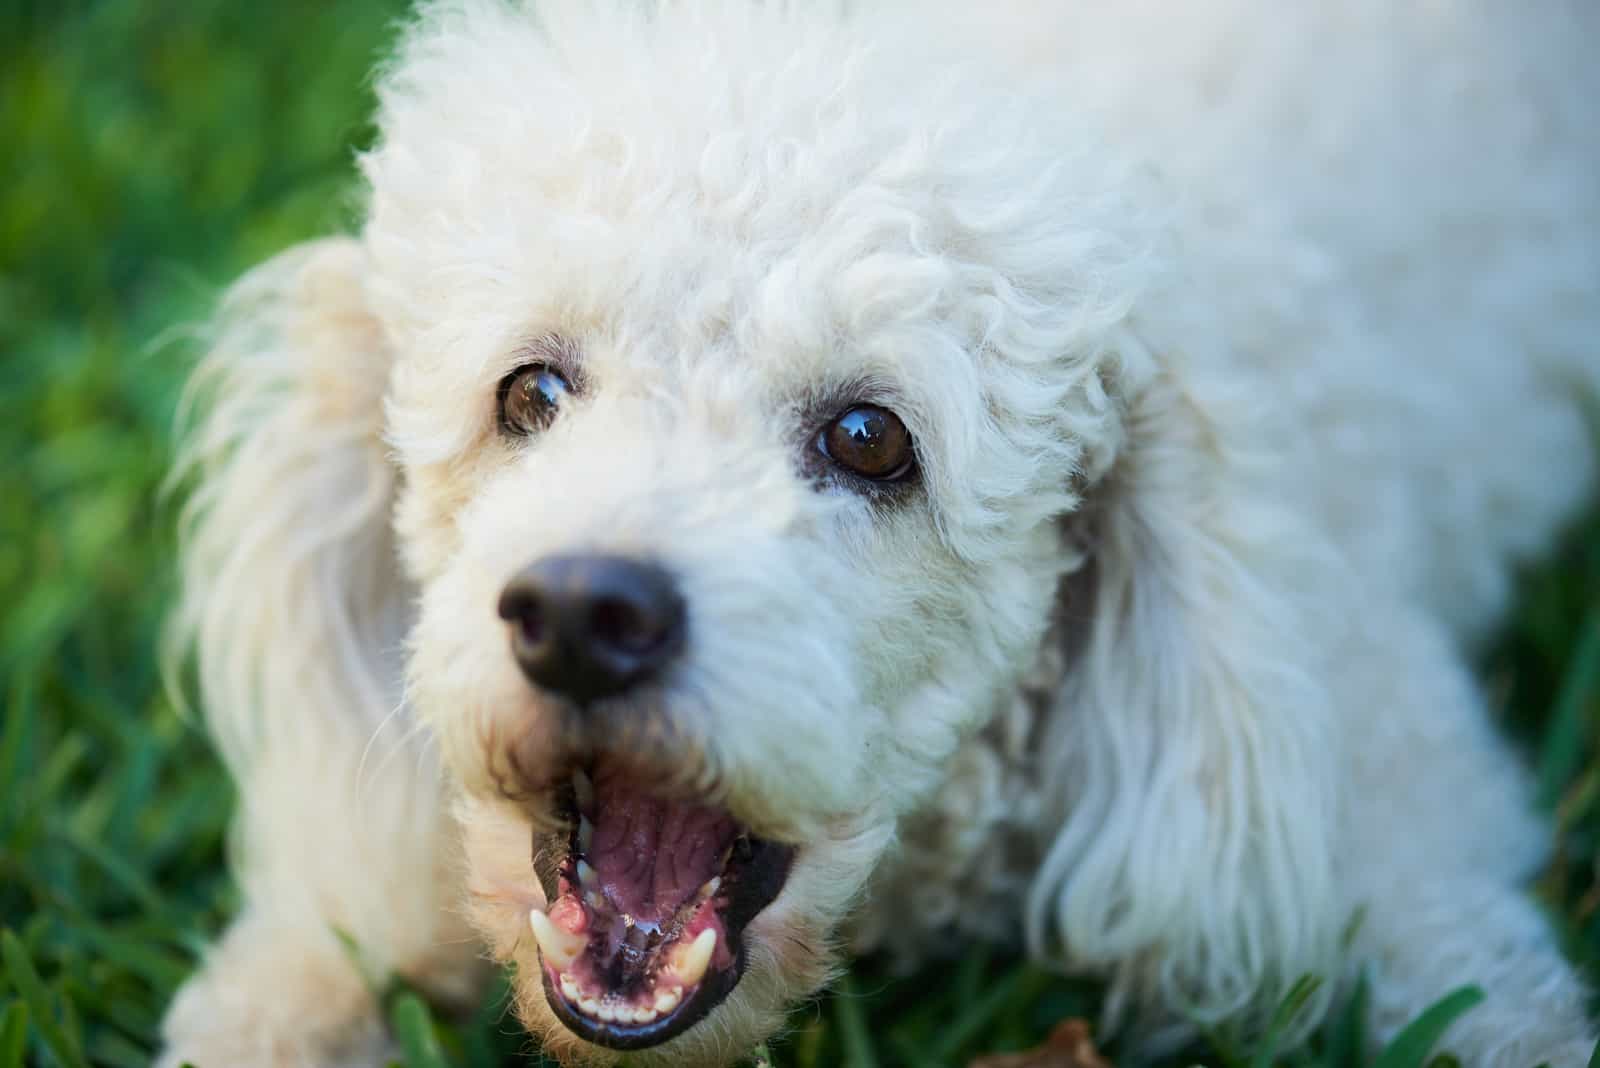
[(1563, 750), (967, 1026), (857, 1040), (1347, 1041), (26, 980), (13, 1034), (1282, 1017), (1410, 1048), (413, 1025), (120, 870), (13, 740)]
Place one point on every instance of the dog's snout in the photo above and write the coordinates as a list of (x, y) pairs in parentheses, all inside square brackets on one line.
[(591, 626)]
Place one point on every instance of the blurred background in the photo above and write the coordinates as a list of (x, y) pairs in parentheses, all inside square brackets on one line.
[(150, 150)]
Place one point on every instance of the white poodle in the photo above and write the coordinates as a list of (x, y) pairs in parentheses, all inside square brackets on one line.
[(771, 479)]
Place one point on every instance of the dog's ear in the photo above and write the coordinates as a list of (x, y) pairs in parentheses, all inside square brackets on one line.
[(1190, 755), (295, 608), (290, 597)]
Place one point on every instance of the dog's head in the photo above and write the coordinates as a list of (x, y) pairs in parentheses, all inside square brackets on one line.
[(737, 364), (738, 384)]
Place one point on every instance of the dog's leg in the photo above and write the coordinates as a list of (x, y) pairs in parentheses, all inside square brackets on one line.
[(294, 604), (1439, 840), (1420, 942), (340, 901), (348, 879)]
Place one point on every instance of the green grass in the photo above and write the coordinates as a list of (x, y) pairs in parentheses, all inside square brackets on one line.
[(148, 153)]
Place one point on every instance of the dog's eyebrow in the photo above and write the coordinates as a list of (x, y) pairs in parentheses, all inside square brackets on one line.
[(551, 345), (556, 349), (822, 403)]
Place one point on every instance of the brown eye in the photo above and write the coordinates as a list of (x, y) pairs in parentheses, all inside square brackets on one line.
[(530, 398), (870, 442)]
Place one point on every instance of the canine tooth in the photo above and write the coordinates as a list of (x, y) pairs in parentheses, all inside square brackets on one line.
[(560, 948), (582, 790), (569, 987), (668, 1000), (588, 876), (593, 899), (712, 885), (689, 963), (585, 834)]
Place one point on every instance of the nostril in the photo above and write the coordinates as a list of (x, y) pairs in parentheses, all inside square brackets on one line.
[(523, 608), (627, 627), (530, 624)]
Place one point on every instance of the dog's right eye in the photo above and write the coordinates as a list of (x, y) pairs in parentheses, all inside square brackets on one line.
[(530, 398)]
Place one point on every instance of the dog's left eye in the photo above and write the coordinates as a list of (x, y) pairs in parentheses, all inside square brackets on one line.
[(869, 442), (530, 398)]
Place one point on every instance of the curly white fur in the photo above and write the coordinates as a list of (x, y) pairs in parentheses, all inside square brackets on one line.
[(1245, 347)]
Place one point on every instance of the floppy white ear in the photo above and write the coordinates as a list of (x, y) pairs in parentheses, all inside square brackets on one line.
[(1190, 754), (295, 607), (290, 587)]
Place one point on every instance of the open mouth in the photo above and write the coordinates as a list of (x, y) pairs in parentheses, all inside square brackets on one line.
[(649, 899)]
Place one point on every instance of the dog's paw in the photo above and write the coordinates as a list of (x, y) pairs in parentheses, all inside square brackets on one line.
[(225, 1039), (274, 1003), (228, 1040), (225, 1051)]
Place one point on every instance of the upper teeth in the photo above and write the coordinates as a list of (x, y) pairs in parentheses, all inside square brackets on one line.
[(560, 948), (588, 876)]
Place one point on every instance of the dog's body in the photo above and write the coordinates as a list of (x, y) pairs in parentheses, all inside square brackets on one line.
[(1245, 349)]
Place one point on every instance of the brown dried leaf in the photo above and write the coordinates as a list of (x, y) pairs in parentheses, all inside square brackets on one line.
[(1069, 1046)]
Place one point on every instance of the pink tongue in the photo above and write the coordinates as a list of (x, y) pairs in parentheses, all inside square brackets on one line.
[(653, 855)]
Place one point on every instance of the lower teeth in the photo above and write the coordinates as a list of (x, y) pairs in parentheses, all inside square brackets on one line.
[(689, 961), (604, 1009)]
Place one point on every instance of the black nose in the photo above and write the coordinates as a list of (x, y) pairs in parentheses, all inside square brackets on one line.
[(589, 627)]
